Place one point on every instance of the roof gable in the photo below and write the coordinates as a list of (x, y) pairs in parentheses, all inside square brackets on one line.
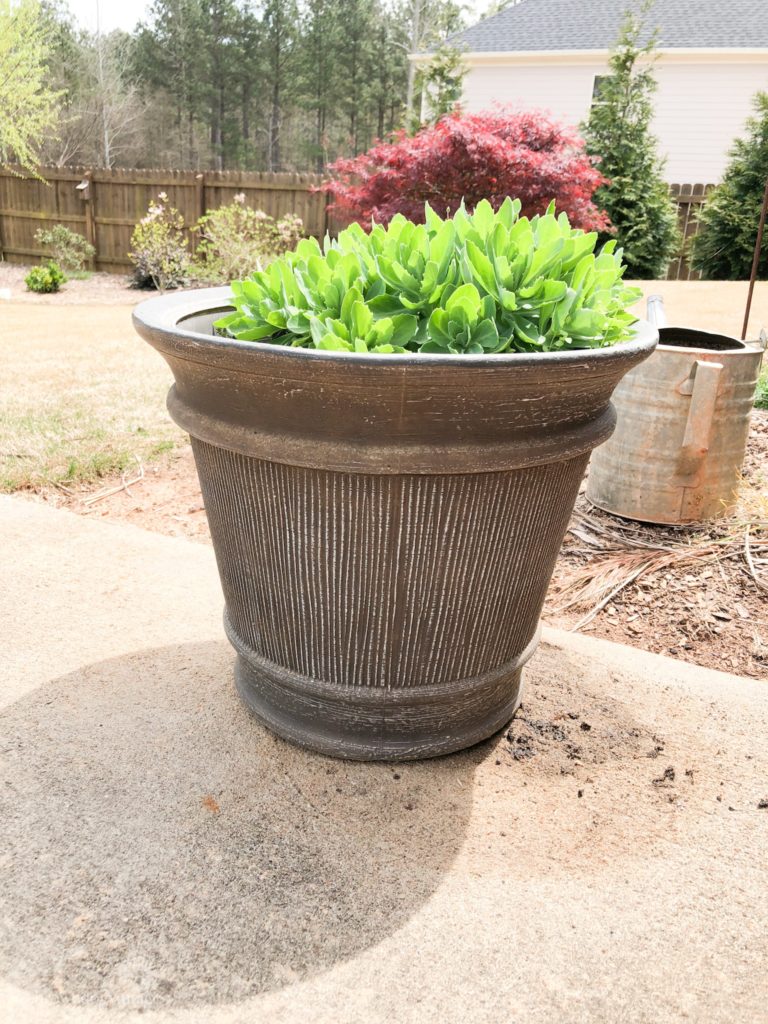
[(594, 25)]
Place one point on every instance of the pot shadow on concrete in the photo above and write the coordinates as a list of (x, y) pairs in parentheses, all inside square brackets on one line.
[(163, 849)]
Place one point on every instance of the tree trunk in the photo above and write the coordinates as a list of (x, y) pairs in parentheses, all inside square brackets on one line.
[(415, 43)]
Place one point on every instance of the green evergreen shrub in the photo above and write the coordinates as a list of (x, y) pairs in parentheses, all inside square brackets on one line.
[(45, 279), (617, 132), (724, 247)]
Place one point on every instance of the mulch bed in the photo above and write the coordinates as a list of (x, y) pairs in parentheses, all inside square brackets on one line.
[(701, 594)]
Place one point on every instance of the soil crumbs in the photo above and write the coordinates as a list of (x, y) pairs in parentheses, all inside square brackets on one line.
[(708, 610)]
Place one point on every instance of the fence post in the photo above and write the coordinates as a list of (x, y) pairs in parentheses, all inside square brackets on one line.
[(89, 196), (200, 194)]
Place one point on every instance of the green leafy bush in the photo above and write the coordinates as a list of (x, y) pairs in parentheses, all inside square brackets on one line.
[(46, 278), (724, 247), (68, 248), (236, 240), (159, 249), (476, 283)]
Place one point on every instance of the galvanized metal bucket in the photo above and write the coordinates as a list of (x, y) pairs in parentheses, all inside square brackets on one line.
[(682, 424)]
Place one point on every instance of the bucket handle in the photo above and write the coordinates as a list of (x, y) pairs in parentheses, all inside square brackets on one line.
[(702, 385)]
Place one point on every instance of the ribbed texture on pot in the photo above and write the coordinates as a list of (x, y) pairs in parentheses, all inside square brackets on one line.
[(394, 582)]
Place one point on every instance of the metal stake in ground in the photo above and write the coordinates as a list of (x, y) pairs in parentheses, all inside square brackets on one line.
[(755, 261)]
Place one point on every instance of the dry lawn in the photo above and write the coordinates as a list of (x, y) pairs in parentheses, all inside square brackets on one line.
[(710, 305), (82, 397)]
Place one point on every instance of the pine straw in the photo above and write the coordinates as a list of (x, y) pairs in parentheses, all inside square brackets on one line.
[(619, 554)]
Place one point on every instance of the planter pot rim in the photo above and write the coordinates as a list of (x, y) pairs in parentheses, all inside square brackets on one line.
[(165, 315)]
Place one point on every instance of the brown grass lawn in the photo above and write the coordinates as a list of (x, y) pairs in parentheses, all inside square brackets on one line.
[(710, 305), (82, 397)]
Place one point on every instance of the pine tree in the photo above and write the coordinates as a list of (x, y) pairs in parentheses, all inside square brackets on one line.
[(171, 61), (279, 25), (725, 245), (617, 132)]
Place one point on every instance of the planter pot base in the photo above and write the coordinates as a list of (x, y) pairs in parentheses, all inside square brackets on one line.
[(366, 725)]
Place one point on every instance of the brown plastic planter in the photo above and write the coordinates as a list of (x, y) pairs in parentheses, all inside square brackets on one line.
[(385, 526)]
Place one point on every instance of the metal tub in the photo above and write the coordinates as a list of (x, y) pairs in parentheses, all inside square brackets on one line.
[(682, 424)]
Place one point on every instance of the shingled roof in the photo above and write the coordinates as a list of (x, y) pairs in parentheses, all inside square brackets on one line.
[(594, 25)]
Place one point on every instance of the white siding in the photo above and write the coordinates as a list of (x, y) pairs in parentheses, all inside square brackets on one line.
[(564, 90), (700, 110), (700, 107)]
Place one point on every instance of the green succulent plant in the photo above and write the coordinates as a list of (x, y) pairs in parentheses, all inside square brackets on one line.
[(476, 283)]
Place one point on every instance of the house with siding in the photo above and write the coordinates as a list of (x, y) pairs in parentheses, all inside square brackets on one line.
[(712, 58)]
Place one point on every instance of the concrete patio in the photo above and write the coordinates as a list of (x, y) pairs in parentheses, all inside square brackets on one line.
[(165, 859)]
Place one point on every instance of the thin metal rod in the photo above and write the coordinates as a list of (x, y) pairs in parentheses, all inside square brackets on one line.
[(755, 261)]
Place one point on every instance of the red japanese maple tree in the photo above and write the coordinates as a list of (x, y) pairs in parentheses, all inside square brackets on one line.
[(492, 155)]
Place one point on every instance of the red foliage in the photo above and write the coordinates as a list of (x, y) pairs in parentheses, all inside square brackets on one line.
[(525, 155)]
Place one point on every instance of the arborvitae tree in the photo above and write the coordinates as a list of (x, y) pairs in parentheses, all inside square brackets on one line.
[(637, 197), (725, 245)]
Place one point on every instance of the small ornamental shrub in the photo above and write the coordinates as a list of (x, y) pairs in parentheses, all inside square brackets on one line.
[(725, 245), (477, 283), (466, 158), (159, 249), (237, 240), (46, 278), (68, 248)]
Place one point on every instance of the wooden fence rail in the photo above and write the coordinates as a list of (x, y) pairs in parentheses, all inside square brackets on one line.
[(104, 206)]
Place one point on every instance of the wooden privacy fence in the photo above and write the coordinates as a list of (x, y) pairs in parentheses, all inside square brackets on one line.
[(106, 205), (689, 199)]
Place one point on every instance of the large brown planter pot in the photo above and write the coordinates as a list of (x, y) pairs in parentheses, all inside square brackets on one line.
[(385, 526)]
